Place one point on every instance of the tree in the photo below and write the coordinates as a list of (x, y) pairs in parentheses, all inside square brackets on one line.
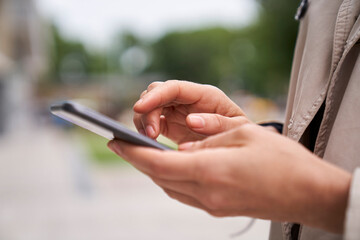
[(256, 58), (200, 56), (71, 60)]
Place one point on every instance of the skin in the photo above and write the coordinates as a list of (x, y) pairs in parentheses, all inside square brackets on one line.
[(229, 166), (185, 111)]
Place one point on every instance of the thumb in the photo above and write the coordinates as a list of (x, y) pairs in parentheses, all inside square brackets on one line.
[(210, 124), (233, 138)]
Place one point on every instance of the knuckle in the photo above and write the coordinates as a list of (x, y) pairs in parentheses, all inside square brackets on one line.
[(153, 85), (240, 132), (205, 144), (143, 93), (211, 87), (219, 123), (214, 90), (247, 129), (198, 145), (242, 120), (172, 81), (202, 144)]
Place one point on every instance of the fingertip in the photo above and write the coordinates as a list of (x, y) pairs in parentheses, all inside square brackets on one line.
[(195, 121), (145, 105), (138, 105), (110, 145), (115, 146), (185, 146)]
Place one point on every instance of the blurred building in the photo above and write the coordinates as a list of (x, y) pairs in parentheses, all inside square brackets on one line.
[(22, 60)]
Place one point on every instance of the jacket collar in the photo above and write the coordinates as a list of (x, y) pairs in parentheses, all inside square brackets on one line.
[(355, 14), (342, 47)]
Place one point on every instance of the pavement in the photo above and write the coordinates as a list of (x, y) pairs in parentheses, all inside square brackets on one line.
[(50, 189)]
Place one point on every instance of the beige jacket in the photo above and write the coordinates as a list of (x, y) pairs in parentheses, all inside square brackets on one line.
[(326, 76)]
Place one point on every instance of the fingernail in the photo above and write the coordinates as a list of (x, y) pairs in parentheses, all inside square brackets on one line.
[(115, 147), (139, 102), (186, 146), (196, 121), (150, 131), (110, 146), (142, 132)]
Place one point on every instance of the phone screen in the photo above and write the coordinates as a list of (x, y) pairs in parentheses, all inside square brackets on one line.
[(101, 125)]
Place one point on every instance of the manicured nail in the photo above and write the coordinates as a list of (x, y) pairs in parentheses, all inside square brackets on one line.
[(150, 131), (196, 121), (186, 146)]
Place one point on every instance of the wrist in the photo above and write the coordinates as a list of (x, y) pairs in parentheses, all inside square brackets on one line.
[(327, 202)]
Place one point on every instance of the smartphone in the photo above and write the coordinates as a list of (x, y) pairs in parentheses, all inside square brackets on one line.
[(101, 124)]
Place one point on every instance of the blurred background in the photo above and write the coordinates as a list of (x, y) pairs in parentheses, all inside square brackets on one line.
[(60, 182)]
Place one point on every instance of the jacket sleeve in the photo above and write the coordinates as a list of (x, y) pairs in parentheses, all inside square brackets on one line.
[(352, 218)]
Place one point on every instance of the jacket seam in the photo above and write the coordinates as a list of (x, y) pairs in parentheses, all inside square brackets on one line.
[(297, 131), (339, 39), (324, 130)]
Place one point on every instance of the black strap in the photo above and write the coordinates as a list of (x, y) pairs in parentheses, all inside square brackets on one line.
[(277, 126)]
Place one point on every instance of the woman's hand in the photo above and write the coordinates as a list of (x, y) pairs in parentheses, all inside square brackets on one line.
[(248, 171), (185, 111)]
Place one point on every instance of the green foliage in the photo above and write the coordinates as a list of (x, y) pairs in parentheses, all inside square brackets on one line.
[(257, 58), (97, 148), (100, 153), (273, 36), (200, 56), (63, 50)]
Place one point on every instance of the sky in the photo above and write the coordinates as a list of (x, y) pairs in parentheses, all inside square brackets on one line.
[(96, 22)]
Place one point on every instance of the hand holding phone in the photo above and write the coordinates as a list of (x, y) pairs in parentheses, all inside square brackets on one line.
[(101, 125)]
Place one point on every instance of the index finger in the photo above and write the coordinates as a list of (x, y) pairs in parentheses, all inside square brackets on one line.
[(172, 91), (169, 165)]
